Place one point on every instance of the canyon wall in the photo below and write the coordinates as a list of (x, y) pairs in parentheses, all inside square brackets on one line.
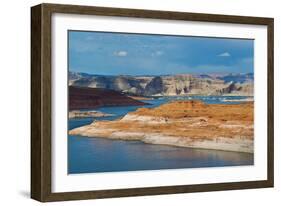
[(169, 85)]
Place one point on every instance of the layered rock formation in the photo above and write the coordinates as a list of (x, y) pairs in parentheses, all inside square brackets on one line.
[(169, 85), (184, 124), (89, 98)]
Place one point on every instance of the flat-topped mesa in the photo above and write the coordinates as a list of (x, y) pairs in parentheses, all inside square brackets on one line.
[(197, 108), (89, 98), (182, 123), (171, 110)]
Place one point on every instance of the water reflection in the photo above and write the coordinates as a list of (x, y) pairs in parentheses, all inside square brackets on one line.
[(104, 155)]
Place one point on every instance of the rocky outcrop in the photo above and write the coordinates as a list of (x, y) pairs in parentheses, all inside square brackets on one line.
[(89, 98), (169, 85), (85, 114), (155, 86), (238, 89), (184, 124)]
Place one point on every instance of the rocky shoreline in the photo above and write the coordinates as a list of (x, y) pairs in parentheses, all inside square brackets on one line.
[(184, 124)]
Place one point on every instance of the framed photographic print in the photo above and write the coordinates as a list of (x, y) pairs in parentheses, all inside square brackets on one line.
[(130, 102)]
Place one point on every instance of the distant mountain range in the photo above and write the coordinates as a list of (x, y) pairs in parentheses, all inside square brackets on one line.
[(169, 85)]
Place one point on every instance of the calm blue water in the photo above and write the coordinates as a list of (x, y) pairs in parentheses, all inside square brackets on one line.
[(88, 154)]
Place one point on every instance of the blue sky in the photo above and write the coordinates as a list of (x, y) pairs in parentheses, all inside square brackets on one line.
[(138, 54)]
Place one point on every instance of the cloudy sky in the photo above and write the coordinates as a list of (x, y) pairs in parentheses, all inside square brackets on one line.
[(137, 54)]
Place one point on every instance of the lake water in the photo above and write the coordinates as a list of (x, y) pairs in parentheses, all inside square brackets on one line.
[(89, 155)]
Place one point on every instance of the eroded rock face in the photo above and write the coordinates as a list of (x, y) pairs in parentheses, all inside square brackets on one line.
[(155, 86), (182, 123), (169, 85)]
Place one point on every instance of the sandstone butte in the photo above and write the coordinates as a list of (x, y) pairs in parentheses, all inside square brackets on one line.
[(182, 123)]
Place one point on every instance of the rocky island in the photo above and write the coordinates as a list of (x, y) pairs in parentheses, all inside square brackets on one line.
[(184, 124), (85, 114)]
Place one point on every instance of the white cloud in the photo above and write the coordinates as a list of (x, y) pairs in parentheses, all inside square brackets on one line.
[(120, 53), (157, 53), (225, 54)]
